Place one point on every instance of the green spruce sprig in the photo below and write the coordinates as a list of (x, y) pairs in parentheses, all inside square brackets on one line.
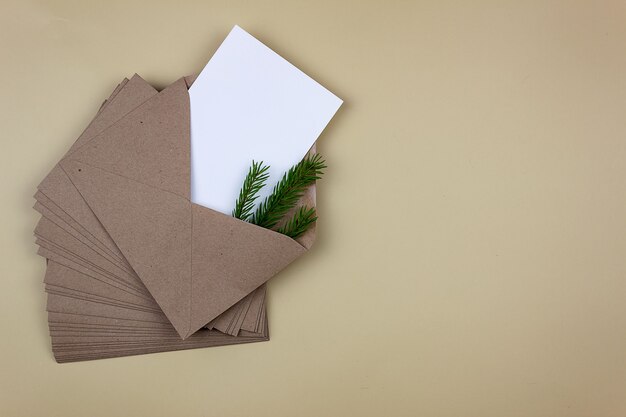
[(302, 219), (255, 180), (288, 191)]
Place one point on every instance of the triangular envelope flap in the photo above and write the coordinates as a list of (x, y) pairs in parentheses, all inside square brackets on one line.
[(231, 258), (151, 227), (150, 144)]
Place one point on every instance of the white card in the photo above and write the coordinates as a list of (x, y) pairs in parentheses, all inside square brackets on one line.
[(248, 103)]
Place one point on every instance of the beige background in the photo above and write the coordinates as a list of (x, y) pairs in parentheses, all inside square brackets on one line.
[(471, 253)]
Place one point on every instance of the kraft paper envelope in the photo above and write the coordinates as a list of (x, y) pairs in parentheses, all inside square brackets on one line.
[(195, 262), (58, 185), (90, 315)]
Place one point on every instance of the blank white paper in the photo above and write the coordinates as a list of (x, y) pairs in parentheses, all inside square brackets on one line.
[(248, 103)]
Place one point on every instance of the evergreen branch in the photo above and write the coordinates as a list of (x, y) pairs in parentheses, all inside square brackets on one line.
[(255, 180), (288, 191), (299, 223)]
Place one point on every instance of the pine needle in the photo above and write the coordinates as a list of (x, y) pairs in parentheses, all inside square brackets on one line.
[(299, 223), (255, 180), (288, 191)]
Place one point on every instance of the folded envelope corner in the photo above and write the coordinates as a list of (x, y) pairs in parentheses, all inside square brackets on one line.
[(230, 259)]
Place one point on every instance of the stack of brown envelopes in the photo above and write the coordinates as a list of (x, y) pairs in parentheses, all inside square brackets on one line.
[(133, 266)]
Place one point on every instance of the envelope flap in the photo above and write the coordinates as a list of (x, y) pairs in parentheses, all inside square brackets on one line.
[(230, 259), (150, 144)]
